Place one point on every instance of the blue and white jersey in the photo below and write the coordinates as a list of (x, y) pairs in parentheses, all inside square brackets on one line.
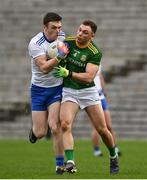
[(39, 45), (97, 82)]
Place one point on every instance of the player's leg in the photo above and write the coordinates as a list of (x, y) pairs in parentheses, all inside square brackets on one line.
[(108, 117), (39, 125), (110, 128), (53, 104), (95, 112), (55, 126), (39, 113), (108, 120), (68, 112), (95, 137)]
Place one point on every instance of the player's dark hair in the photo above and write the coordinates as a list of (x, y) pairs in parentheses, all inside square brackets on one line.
[(91, 24), (50, 16)]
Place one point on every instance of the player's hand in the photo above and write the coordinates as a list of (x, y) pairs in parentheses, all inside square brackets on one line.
[(62, 52), (62, 72)]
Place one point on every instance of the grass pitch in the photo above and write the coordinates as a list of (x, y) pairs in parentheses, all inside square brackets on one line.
[(21, 160)]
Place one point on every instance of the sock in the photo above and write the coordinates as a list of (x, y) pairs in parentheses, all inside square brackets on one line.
[(59, 160), (117, 150), (96, 148), (112, 152), (69, 154)]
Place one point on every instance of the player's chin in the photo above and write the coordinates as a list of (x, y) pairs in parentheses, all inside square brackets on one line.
[(54, 37), (79, 40)]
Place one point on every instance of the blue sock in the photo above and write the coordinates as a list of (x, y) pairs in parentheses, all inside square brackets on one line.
[(96, 148), (59, 160)]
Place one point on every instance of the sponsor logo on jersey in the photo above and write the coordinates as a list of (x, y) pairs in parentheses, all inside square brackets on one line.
[(80, 64)]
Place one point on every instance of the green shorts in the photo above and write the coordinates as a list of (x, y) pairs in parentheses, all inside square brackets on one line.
[(83, 97)]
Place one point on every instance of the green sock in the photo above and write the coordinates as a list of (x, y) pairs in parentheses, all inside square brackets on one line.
[(69, 154), (112, 152)]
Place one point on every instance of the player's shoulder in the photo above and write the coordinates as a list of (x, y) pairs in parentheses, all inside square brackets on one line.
[(38, 39), (94, 48)]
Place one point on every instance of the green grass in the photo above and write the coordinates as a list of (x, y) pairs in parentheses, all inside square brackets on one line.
[(20, 160)]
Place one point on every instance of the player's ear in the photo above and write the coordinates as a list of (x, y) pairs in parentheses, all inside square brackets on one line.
[(44, 27)]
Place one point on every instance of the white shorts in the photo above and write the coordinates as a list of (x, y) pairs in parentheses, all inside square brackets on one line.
[(83, 97)]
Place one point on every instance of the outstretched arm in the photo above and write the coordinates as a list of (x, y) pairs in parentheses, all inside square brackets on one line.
[(86, 77)]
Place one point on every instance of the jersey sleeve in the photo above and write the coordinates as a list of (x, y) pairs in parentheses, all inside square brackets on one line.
[(96, 58), (61, 36), (35, 50)]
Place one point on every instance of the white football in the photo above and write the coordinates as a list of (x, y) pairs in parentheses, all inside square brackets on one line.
[(52, 52)]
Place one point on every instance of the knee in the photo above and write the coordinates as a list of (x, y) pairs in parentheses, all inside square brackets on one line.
[(103, 131), (55, 128), (54, 131), (110, 128), (65, 126), (39, 133)]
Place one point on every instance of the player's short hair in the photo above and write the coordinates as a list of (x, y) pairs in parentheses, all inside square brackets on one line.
[(91, 24), (51, 16)]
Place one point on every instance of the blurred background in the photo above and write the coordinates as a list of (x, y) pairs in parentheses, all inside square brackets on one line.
[(122, 35)]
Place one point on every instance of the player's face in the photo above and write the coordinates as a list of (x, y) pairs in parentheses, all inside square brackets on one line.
[(84, 34), (52, 29)]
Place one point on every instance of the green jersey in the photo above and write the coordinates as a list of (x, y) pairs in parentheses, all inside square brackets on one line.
[(77, 60)]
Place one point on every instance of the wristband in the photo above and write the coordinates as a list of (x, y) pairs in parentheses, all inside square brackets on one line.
[(70, 74)]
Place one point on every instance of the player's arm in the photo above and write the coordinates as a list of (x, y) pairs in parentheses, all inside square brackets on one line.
[(44, 64), (91, 70), (88, 76)]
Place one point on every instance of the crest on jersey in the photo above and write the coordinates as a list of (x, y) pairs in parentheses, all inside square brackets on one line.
[(83, 58)]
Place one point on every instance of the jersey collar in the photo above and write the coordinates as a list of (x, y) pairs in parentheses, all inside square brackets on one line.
[(47, 39)]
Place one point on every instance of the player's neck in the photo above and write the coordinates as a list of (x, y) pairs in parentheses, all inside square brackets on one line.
[(82, 45), (47, 38)]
